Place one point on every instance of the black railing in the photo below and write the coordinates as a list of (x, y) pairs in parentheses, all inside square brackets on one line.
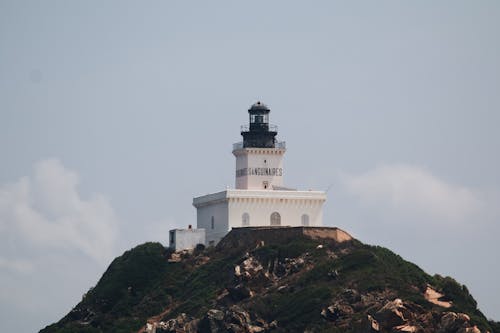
[(272, 128)]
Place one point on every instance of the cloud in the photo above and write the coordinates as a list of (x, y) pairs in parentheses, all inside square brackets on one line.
[(45, 211), (18, 266), (413, 192)]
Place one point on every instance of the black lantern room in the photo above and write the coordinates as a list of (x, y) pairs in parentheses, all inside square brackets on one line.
[(259, 134)]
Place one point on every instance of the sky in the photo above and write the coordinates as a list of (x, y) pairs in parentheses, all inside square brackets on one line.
[(114, 115)]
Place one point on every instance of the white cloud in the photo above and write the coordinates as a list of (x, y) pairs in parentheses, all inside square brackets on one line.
[(413, 191), (18, 266), (46, 211)]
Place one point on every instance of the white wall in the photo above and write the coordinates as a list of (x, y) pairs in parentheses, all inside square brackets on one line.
[(227, 208), (290, 210), (184, 239), (219, 211), (251, 158)]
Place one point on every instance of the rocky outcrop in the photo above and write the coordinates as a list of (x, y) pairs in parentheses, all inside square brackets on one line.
[(248, 268), (452, 322), (181, 323), (232, 320), (337, 312), (393, 313), (396, 315), (434, 297)]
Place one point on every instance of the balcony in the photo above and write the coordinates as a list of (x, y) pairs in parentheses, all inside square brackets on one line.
[(277, 144), (246, 128)]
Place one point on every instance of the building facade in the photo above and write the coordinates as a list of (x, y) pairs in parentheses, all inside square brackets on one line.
[(260, 197)]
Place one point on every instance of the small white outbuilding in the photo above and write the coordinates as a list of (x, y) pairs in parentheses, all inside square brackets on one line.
[(186, 239)]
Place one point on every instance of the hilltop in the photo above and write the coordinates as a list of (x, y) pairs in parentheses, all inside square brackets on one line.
[(273, 280)]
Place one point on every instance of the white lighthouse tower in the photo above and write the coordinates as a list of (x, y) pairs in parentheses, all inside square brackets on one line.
[(259, 199)]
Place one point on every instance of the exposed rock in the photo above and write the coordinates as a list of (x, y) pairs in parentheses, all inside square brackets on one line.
[(175, 257), (239, 292), (333, 274), (406, 328), (351, 295), (237, 316), (391, 314), (330, 313), (373, 324), (181, 323), (283, 288), (249, 268), (336, 312), (234, 320), (463, 316), (237, 271), (212, 322), (452, 322), (433, 296), (470, 330), (251, 265)]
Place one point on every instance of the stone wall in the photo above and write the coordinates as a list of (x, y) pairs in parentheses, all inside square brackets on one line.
[(253, 236)]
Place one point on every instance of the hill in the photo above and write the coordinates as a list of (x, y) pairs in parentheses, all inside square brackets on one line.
[(273, 280)]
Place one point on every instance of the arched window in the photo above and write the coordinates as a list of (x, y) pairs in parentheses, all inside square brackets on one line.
[(275, 218), (305, 220), (245, 220), (212, 223)]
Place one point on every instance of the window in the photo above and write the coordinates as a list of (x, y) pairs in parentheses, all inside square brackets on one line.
[(259, 118), (172, 238), (275, 218), (245, 220), (212, 223), (305, 220)]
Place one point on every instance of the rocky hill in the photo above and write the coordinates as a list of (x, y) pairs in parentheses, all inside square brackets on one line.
[(273, 280)]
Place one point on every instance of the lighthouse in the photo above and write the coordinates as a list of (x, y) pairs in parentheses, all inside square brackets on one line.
[(259, 156), (259, 198)]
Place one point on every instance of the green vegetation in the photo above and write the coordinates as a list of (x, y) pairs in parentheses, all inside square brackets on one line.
[(142, 283), (268, 254), (384, 269), (128, 292), (294, 310), (462, 300), (200, 287), (495, 325)]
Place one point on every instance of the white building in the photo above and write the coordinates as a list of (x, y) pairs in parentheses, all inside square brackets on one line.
[(260, 199), (186, 239)]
